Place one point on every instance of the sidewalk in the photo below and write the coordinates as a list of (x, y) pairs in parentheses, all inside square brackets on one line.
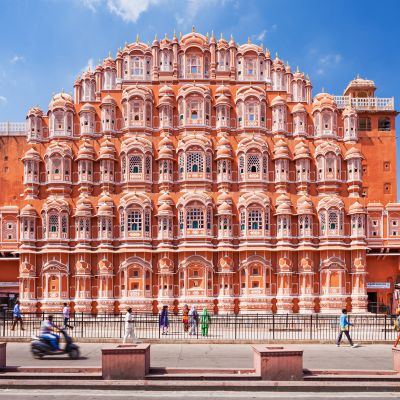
[(316, 356)]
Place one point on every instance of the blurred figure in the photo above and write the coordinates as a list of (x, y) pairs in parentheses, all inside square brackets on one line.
[(17, 315), (193, 320), (344, 328), (67, 316), (205, 321), (164, 320), (129, 331), (185, 318), (397, 328)]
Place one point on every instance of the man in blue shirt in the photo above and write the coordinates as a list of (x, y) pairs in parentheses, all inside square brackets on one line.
[(17, 317), (344, 328)]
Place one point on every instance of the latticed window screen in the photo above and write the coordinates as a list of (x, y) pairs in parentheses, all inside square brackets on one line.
[(242, 220), (134, 221), (208, 163), (265, 165), (208, 219), (254, 221), (333, 221), (181, 163), (194, 218), (253, 163), (64, 224), (148, 165), (241, 164), (122, 220), (147, 222), (123, 165), (53, 223), (181, 219), (135, 164), (195, 162)]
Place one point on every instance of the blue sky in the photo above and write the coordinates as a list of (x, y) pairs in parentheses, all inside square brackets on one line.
[(46, 43)]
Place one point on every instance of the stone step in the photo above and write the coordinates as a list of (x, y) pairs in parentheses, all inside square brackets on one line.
[(49, 376)]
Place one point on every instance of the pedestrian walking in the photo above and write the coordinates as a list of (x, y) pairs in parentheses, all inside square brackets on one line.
[(17, 316), (193, 320), (397, 328), (344, 328), (205, 321), (164, 321), (129, 329), (185, 318), (67, 316)]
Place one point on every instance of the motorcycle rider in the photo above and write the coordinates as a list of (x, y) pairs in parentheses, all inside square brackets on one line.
[(47, 332)]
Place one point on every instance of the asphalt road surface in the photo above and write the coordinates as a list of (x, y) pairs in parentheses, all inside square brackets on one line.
[(126, 395), (318, 356)]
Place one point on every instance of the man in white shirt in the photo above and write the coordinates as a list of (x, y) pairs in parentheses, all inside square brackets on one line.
[(67, 316), (129, 331)]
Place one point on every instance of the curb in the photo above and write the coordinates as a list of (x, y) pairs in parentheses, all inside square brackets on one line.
[(199, 341), (205, 386)]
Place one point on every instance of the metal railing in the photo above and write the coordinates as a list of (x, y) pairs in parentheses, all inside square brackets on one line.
[(366, 103), (266, 327), (12, 129)]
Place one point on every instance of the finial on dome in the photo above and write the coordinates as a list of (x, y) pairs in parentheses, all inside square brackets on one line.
[(297, 69), (221, 36), (358, 76), (248, 40), (180, 35), (156, 36), (307, 77), (193, 28), (137, 38), (231, 36), (323, 90), (207, 36), (212, 34), (174, 34), (126, 44), (276, 56)]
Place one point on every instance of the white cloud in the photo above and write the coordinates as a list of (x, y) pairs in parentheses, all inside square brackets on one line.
[(88, 66), (16, 59), (261, 36), (3, 99), (326, 62), (128, 10)]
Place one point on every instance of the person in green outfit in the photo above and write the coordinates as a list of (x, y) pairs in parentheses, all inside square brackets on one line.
[(205, 320)]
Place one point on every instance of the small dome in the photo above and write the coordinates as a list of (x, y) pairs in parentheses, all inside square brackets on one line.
[(281, 150), (224, 197), (222, 90), (61, 100), (108, 100), (224, 149), (301, 150), (305, 205), (298, 108), (353, 152), (165, 148), (349, 111), (86, 151), (283, 209), (35, 112), (31, 154), (87, 75), (109, 62), (166, 91), (107, 150), (165, 198), (278, 100), (356, 208), (105, 209), (165, 209), (324, 100), (105, 199), (224, 209), (87, 108), (28, 211)]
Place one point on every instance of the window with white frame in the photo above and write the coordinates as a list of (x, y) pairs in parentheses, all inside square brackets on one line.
[(394, 226), (194, 218), (305, 226), (254, 219), (134, 221), (375, 227), (195, 162)]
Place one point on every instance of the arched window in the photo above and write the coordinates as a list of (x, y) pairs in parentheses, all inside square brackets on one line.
[(193, 66)]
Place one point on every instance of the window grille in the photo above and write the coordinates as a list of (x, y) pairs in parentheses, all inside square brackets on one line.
[(253, 163), (195, 162), (194, 218), (134, 221), (254, 221), (135, 164)]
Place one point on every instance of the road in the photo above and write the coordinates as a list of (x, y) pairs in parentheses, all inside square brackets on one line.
[(126, 395), (318, 356)]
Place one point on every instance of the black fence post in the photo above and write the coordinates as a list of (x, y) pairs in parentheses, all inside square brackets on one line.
[(311, 322), (385, 326), (159, 325), (235, 326), (4, 322), (273, 326), (120, 325)]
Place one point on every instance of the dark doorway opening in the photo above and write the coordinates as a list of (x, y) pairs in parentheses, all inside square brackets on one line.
[(372, 302)]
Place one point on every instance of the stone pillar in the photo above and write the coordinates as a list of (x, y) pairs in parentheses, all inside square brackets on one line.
[(277, 363), (126, 361), (3, 355), (396, 359)]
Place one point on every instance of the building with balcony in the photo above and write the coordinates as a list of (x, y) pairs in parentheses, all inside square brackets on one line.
[(199, 171)]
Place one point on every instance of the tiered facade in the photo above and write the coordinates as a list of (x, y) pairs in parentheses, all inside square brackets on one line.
[(197, 171)]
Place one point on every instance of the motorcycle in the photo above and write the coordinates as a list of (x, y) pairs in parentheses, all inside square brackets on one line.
[(41, 347)]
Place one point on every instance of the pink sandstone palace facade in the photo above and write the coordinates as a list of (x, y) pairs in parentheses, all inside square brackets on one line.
[(199, 171)]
